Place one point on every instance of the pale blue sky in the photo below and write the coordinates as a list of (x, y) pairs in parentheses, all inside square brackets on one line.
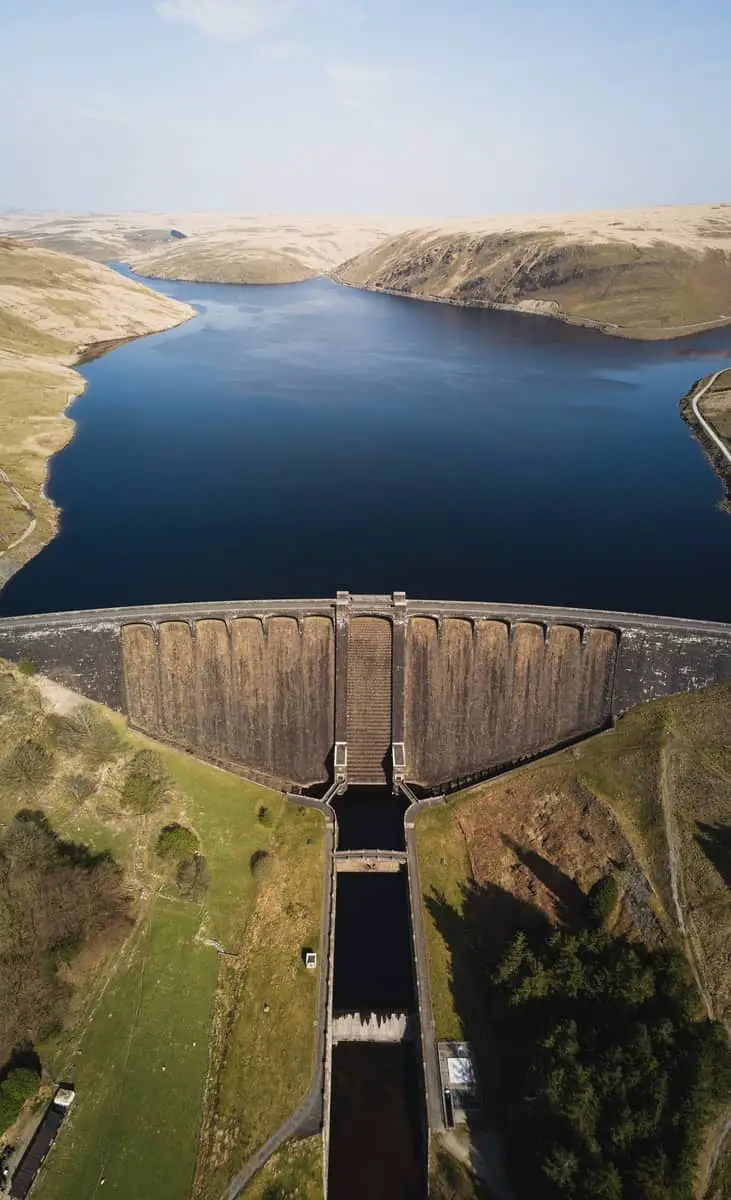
[(415, 107)]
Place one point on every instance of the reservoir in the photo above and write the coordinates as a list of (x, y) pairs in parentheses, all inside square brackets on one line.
[(296, 440)]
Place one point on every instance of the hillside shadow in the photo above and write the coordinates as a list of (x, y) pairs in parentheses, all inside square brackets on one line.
[(73, 854), (24, 1056), (715, 842), (570, 900), (477, 934)]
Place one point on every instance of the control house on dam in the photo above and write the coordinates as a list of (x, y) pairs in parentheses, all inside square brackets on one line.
[(363, 698)]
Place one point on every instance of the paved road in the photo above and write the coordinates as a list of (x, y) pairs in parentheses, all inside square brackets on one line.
[(114, 617), (717, 441), (432, 1085), (307, 1119)]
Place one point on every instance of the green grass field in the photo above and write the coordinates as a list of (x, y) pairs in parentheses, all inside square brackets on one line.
[(222, 808), (269, 1001), (444, 870), (295, 1171), (140, 1070), (149, 1002)]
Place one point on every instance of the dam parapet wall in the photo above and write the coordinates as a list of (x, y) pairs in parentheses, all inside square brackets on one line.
[(263, 688)]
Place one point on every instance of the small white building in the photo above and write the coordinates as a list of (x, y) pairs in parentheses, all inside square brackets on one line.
[(461, 1092)]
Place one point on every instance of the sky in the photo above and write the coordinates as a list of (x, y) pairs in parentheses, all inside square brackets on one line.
[(403, 107)]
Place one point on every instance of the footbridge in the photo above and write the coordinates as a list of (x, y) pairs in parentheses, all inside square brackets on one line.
[(359, 690), (369, 860)]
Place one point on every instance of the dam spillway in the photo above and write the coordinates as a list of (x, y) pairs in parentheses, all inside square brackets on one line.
[(369, 690)]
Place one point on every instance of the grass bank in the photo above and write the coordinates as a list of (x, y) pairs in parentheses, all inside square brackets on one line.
[(265, 1025), (295, 1171)]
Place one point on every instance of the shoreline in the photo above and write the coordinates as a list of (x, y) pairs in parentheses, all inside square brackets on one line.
[(669, 334), (227, 282), (550, 311), (84, 353), (718, 462)]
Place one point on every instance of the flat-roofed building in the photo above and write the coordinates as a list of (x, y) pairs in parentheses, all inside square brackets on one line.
[(461, 1091)]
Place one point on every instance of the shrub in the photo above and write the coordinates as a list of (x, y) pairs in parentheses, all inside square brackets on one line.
[(18, 1086), (86, 732), (29, 764), (103, 741), (78, 787), (192, 877), (264, 816), (57, 897), (26, 666), (146, 783), (451, 1180), (65, 731), (176, 843), (602, 900)]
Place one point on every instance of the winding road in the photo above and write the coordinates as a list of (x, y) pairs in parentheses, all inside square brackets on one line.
[(24, 504), (717, 441)]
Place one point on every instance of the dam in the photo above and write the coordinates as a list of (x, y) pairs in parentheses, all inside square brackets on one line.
[(370, 707), (369, 691)]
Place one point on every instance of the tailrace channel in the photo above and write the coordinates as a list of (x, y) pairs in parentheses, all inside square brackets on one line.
[(377, 1112)]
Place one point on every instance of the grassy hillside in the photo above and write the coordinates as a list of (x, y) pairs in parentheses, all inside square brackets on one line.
[(214, 247), (654, 275), (648, 804), (51, 307), (161, 1034), (216, 260)]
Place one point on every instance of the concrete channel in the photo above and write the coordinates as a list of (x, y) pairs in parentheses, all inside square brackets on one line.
[(314, 1113)]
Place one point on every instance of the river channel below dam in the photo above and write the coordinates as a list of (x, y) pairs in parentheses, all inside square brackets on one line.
[(377, 1130), (301, 439)]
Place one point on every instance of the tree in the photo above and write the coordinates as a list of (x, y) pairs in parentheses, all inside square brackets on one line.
[(175, 843), (608, 1080), (146, 783), (602, 900), (19, 1084), (561, 1166), (55, 898)]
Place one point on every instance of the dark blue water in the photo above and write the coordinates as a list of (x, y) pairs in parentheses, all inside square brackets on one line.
[(296, 440)]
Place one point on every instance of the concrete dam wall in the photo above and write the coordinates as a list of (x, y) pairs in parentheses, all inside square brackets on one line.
[(259, 695), (369, 689)]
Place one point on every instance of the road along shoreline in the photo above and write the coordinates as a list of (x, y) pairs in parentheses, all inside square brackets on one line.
[(713, 446)]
